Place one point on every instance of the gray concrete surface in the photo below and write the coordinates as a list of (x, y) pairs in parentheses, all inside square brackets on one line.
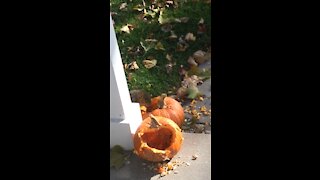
[(203, 125), (194, 144)]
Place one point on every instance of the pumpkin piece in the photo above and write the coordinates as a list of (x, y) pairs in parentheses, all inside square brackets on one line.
[(167, 107), (158, 141)]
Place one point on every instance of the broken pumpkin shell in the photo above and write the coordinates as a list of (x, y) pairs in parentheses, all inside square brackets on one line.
[(170, 109), (159, 143)]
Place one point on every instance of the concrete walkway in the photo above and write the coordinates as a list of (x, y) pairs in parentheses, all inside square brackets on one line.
[(200, 168)]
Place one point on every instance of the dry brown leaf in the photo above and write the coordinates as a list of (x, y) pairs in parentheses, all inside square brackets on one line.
[(149, 63), (192, 62), (123, 6), (191, 81), (159, 46), (169, 57), (133, 65), (138, 7), (184, 19), (190, 37), (194, 157), (169, 2), (173, 35), (127, 28), (182, 47), (199, 56), (182, 92), (182, 71), (201, 21), (151, 40), (113, 13)]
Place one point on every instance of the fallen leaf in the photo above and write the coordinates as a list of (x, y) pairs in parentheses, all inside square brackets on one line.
[(133, 65), (150, 40), (199, 56), (169, 57), (159, 46), (182, 45), (134, 51), (149, 63), (182, 71), (182, 92), (169, 2), (156, 10), (150, 13), (192, 62), (194, 157), (138, 7), (177, 20), (201, 21), (191, 81), (161, 19), (173, 35), (184, 19), (113, 13), (123, 6), (193, 92), (190, 37), (127, 28)]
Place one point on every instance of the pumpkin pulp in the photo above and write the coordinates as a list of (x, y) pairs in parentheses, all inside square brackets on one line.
[(159, 139)]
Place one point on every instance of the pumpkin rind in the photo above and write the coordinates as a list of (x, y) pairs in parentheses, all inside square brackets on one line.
[(157, 144), (172, 109)]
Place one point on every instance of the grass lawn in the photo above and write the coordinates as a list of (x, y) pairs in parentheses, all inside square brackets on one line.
[(151, 24)]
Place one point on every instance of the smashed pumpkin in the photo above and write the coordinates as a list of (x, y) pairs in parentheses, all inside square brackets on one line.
[(157, 139), (167, 107)]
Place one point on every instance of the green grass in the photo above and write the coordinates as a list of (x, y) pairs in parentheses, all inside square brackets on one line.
[(156, 80)]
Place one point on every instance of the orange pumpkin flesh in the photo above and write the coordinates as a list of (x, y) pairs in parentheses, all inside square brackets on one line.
[(157, 144), (171, 109)]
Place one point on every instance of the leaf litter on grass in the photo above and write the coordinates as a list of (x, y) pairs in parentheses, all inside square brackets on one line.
[(174, 32)]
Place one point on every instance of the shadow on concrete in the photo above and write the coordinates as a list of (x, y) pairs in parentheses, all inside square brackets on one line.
[(135, 169)]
